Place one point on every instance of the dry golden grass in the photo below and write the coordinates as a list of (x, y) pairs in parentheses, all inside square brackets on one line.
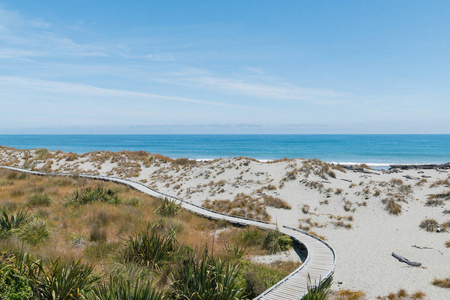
[(243, 206), (403, 295), (442, 182), (392, 206), (275, 202), (443, 283), (95, 232), (348, 295)]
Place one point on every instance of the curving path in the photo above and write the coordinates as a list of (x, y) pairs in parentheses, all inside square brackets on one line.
[(318, 265)]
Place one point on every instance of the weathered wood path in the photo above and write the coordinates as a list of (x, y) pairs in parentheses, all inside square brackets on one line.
[(318, 265)]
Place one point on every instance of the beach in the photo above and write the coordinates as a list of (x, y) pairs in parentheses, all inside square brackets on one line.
[(364, 214)]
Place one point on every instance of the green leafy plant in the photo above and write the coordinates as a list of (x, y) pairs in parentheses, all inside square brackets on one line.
[(40, 200), (34, 232), (318, 291), (168, 208), (149, 248), (65, 281), (121, 289), (92, 194), (205, 277), (276, 241), (14, 285), (10, 221)]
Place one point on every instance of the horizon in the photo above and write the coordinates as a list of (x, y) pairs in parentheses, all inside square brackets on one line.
[(240, 67)]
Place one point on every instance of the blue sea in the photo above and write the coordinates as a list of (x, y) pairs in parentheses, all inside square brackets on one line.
[(375, 150)]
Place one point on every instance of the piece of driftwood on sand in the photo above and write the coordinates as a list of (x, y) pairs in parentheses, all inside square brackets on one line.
[(406, 261)]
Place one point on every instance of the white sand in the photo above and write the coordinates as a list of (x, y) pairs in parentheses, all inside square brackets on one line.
[(363, 252)]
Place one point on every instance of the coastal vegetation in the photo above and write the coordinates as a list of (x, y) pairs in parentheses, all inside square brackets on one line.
[(74, 238)]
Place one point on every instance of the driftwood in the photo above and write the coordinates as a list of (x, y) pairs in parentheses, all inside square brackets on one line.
[(406, 261), (415, 246)]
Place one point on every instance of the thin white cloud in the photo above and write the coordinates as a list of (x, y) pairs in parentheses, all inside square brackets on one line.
[(88, 90), (29, 37), (250, 86)]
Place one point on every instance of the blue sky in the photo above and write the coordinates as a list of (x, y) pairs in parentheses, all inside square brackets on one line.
[(79, 66)]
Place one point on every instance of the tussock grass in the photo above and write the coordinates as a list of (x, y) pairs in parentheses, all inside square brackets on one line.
[(348, 295), (443, 283), (243, 205), (392, 206), (40, 200), (92, 194), (276, 242), (441, 196), (168, 208), (434, 202), (437, 183), (403, 295), (275, 202), (429, 225)]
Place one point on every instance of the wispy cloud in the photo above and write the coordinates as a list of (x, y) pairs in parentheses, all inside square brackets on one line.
[(255, 86), (89, 90), (24, 37)]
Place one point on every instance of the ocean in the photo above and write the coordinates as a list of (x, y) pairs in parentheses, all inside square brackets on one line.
[(375, 150)]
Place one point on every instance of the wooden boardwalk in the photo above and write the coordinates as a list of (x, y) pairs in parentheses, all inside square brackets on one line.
[(318, 265)]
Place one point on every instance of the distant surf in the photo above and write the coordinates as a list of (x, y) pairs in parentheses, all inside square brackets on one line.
[(377, 151)]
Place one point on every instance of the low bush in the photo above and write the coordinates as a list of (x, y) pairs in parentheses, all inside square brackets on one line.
[(429, 225), (92, 194), (252, 236), (40, 200), (243, 206), (33, 232), (434, 202), (403, 295), (275, 202), (276, 241), (121, 289), (97, 234), (64, 281), (168, 208), (443, 283), (149, 248), (442, 196), (205, 277), (10, 221), (318, 291), (392, 206)]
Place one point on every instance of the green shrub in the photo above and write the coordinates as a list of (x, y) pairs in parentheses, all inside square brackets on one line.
[(276, 241), (34, 231), (121, 289), (39, 200), (9, 221), (14, 285), (168, 208), (40, 153), (318, 291), (149, 248), (92, 194), (251, 236), (260, 277), (65, 281), (97, 234), (205, 277)]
